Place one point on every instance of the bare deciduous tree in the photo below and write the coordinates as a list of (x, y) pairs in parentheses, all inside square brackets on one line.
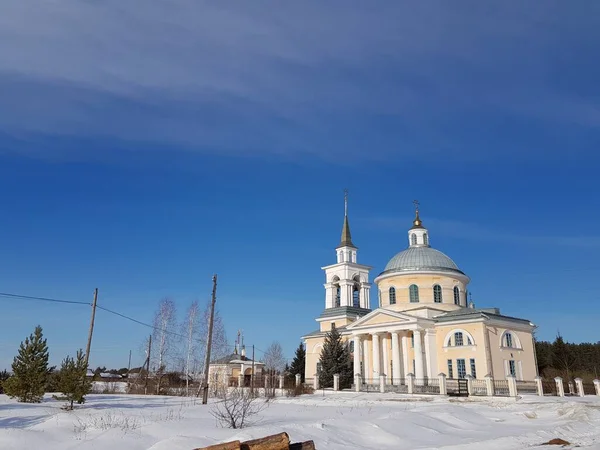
[(164, 336), (220, 346), (191, 330), (274, 363), (236, 409)]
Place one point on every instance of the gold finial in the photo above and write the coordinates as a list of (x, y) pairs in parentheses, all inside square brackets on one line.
[(417, 222)]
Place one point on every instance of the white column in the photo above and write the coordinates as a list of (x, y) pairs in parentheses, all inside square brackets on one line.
[(366, 366), (365, 301), (356, 354), (579, 386), (385, 370), (298, 379), (418, 355), (376, 358), (395, 357), (512, 385), (329, 295), (443, 386), (346, 293), (405, 361), (597, 387), (539, 386), (336, 382), (560, 388), (430, 353)]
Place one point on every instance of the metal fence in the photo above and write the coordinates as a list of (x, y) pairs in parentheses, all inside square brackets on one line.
[(526, 387), (549, 387), (398, 386), (478, 387), (501, 388), (589, 389), (426, 386)]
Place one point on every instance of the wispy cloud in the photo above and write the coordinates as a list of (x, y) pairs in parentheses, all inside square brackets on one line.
[(307, 78), (475, 232)]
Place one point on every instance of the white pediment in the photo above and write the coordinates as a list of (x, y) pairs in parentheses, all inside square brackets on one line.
[(382, 317)]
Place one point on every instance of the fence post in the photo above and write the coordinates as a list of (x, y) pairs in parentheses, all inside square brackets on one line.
[(443, 388), (357, 382), (539, 385), (512, 385), (489, 385), (336, 382), (382, 384), (316, 382), (579, 384), (267, 381), (597, 386), (469, 384), (410, 383), (241, 380), (298, 379), (281, 377), (560, 389)]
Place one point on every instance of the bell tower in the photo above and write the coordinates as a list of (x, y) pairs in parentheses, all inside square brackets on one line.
[(347, 282)]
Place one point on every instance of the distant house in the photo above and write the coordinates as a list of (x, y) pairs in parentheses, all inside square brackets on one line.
[(105, 376), (226, 371)]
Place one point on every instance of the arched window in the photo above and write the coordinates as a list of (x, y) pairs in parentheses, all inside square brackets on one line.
[(456, 295), (351, 345), (413, 291), (356, 296), (392, 296), (413, 239), (425, 239), (508, 340), (338, 296), (437, 293), (458, 338)]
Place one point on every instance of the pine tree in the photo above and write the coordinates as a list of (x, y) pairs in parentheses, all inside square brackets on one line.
[(335, 359), (30, 370), (72, 380), (299, 361)]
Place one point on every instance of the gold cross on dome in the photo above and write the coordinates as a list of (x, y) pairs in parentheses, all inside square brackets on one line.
[(416, 203)]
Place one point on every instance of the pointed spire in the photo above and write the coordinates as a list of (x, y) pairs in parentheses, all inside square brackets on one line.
[(346, 240), (417, 223)]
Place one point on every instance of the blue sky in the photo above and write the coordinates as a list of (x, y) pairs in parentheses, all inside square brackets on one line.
[(144, 147)]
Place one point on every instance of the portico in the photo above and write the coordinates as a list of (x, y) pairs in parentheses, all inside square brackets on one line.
[(387, 343)]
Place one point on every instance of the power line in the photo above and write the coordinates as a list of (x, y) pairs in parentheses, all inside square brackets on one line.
[(43, 299)]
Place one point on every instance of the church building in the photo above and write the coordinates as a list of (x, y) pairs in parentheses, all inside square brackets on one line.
[(423, 323)]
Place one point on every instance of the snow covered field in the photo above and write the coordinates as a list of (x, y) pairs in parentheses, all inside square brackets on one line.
[(334, 421)]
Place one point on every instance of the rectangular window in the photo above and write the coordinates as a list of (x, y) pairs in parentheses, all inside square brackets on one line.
[(461, 368), (458, 339), (333, 325), (512, 370), (473, 370), (414, 367), (412, 340), (319, 367), (509, 340), (450, 371)]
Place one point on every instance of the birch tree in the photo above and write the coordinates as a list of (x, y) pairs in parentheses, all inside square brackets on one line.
[(191, 330), (164, 336), (220, 346)]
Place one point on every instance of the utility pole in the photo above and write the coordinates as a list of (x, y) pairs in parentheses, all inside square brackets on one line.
[(252, 376), (148, 364), (209, 341), (128, 369), (89, 342)]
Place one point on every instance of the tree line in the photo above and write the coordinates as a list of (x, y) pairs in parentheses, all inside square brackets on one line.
[(31, 376), (568, 360)]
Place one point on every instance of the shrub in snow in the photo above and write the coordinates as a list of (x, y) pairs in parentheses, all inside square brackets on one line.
[(30, 370), (72, 380), (237, 408)]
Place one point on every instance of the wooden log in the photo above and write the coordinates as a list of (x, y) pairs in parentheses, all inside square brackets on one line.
[(307, 445), (234, 445), (279, 441)]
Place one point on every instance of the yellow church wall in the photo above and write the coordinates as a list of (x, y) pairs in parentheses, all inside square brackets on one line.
[(326, 324), (467, 352), (425, 283), (524, 356)]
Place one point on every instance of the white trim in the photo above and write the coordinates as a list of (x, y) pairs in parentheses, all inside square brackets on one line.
[(458, 330), (516, 341), (453, 275)]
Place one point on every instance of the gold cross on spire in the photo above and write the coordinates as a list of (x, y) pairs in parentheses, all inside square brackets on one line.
[(416, 203)]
